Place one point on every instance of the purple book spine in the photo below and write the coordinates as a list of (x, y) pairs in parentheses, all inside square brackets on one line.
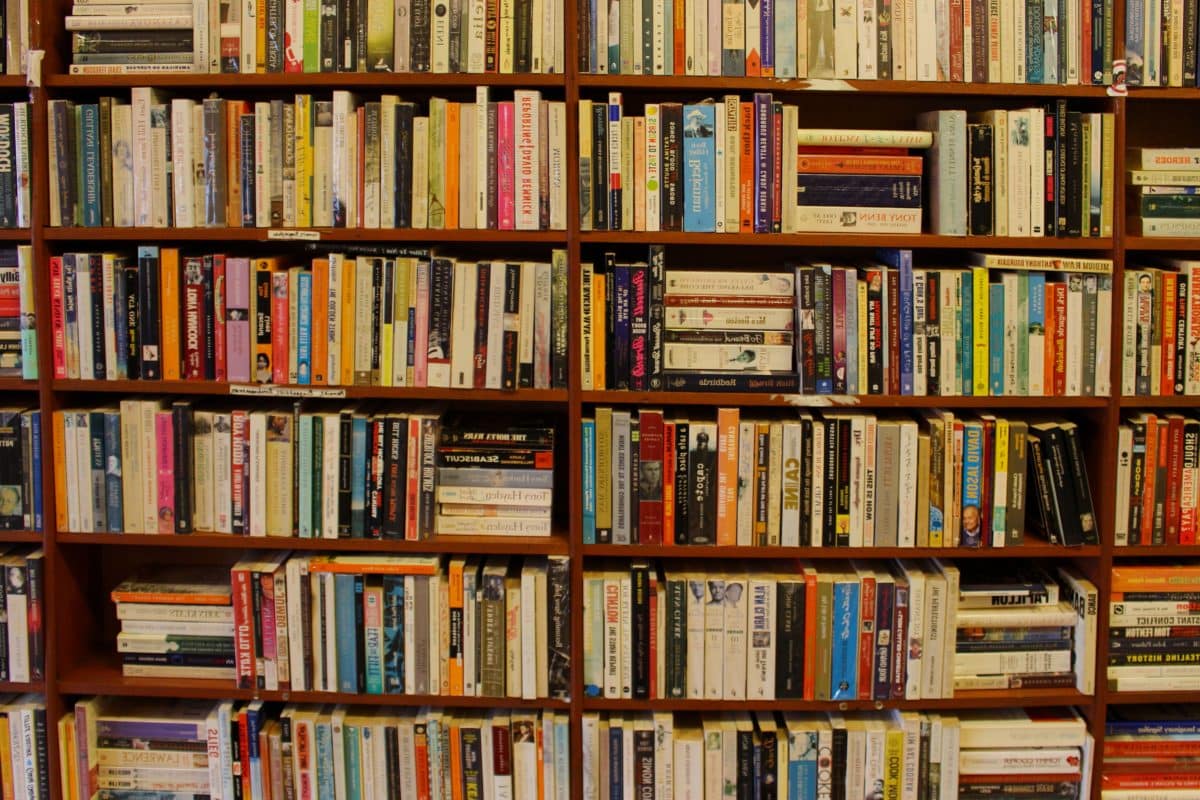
[(237, 316), (767, 36), (764, 126)]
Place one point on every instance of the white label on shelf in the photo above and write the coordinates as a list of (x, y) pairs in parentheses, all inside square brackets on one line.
[(271, 390), (288, 235), (33, 67), (817, 400)]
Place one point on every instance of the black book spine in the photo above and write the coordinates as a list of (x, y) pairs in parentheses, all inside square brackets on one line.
[(129, 318), (522, 35), (823, 327), (658, 271), (1074, 172), (671, 119), (558, 590), (1050, 524), (360, 35), (980, 206), (419, 36), (682, 473), (148, 314), (35, 566), (789, 647), (256, 609), (96, 279), (1181, 295), (360, 634), (346, 31), (456, 38), (1061, 161), (95, 423), (1050, 158), (1079, 483), (641, 633), (839, 762), (345, 461), (182, 425), (43, 755), (328, 36), (841, 523), (829, 495), (395, 495), (777, 383), (611, 367), (1058, 470), (1189, 42), (512, 307), (979, 53), (745, 765), (600, 179), (404, 165), (881, 677), (1137, 481)]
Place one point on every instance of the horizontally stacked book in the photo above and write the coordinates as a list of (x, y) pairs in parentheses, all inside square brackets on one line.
[(1153, 618), (1008, 325), (1151, 749), (230, 749), (1164, 191), (410, 317), (845, 754), (832, 480), (110, 39), (340, 163), (905, 40)]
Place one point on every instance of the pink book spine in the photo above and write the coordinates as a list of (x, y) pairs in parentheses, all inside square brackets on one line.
[(421, 341), (237, 473), (279, 328), (505, 174), (412, 479), (56, 317), (839, 330), (165, 445), (237, 315), (270, 649), (220, 370)]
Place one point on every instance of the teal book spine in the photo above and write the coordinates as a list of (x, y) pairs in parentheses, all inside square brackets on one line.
[(373, 638), (351, 751), (347, 645), (393, 634), (966, 342), (323, 733), (700, 166), (1037, 318), (843, 668), (971, 516), (589, 481), (996, 339), (304, 329), (1021, 325), (358, 477), (89, 164), (785, 40), (304, 469)]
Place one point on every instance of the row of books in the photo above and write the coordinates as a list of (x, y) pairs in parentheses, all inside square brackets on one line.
[(22, 614), (343, 163), (1150, 748), (21, 469), (1156, 483), (832, 631), (1010, 325), (1164, 183), (149, 466), (1160, 351), (380, 317), (1160, 44), (796, 756), (16, 168), (1041, 171), (24, 747), (917, 40), (1153, 627), (726, 167), (15, 29), (114, 747), (464, 626), (18, 314), (387, 36), (832, 480)]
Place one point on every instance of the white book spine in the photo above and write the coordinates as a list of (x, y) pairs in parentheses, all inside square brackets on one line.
[(907, 484), (420, 184), (402, 41), (720, 175), (868, 34), (440, 37), (1124, 462), (462, 337), (181, 158), (249, 38), (258, 474), (916, 631), (560, 173), (528, 640), (926, 28), (845, 34), (222, 445), (858, 464)]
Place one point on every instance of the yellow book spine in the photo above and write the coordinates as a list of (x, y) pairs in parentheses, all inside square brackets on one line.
[(304, 161), (60, 472), (1000, 492), (386, 327), (6, 776), (893, 757), (603, 473), (347, 314), (450, 199), (598, 336), (979, 300), (169, 313)]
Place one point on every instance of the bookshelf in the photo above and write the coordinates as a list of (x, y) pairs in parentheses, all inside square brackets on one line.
[(81, 566)]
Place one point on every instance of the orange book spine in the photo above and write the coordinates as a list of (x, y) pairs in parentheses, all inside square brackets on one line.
[(233, 162), (452, 126), (680, 38), (668, 483), (727, 458), (456, 778), (1167, 298), (169, 298), (1051, 345), (746, 170), (455, 601), (347, 319), (262, 319), (176, 598), (320, 321), (377, 568), (1149, 480), (361, 170), (859, 165), (810, 624), (599, 356), (60, 472)]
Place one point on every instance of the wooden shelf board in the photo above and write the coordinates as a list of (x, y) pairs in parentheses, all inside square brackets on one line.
[(19, 537), (186, 388), (1036, 548), (1163, 93), (877, 87), (13, 82), (1172, 697), (307, 81), (100, 675), (17, 385), (1183, 243), (17, 687), (834, 402), (1157, 551), (282, 235), (15, 235), (826, 240), (1166, 401), (541, 545), (961, 700)]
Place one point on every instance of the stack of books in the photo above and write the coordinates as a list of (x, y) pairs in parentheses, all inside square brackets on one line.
[(24, 758), (832, 480), (1160, 47), (115, 746), (913, 41), (1022, 325), (1157, 480), (175, 597), (110, 39), (1151, 750), (728, 167), (1163, 186), (18, 314), (23, 600), (1153, 620), (1020, 753), (20, 469), (374, 625), (1028, 631), (1021, 172), (340, 163), (499, 480), (1160, 351), (252, 749), (409, 317)]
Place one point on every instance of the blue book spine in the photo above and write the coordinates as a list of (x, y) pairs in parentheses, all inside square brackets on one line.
[(616, 763), (972, 486), (358, 477), (622, 327), (89, 132), (35, 445), (121, 314), (350, 751), (1034, 41), (1097, 44), (304, 467), (843, 683), (906, 322), (372, 642), (1037, 305), (996, 339), (304, 329), (785, 40), (589, 481), (876, 191), (323, 733), (1135, 41), (700, 166), (393, 634), (347, 645), (113, 496), (966, 342), (253, 726), (803, 760), (763, 131), (852, 322), (766, 38)]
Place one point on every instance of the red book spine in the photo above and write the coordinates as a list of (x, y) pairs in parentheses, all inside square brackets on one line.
[(243, 639), (893, 331), (668, 483), (839, 331), (956, 40), (501, 750), (164, 427), (279, 327), (777, 178), (221, 373), (1168, 303), (654, 656), (1085, 39), (650, 481), (57, 318), (1060, 335), (244, 751), (413, 473), (1174, 476), (746, 170), (505, 173), (1149, 478), (193, 322), (421, 749), (680, 38), (866, 639)]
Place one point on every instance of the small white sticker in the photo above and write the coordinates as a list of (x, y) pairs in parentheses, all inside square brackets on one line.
[(288, 235), (271, 390)]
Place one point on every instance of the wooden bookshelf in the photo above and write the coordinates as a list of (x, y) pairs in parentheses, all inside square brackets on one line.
[(285, 237), (1034, 549), (961, 700), (833, 401), (687, 83), (927, 241), (482, 545)]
